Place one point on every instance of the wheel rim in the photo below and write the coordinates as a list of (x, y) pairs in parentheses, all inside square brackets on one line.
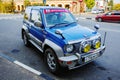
[(51, 61), (99, 19), (25, 39)]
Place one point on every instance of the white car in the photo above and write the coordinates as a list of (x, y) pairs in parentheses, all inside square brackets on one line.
[(96, 11)]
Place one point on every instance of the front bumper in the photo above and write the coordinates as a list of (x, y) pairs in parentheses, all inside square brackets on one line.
[(77, 60)]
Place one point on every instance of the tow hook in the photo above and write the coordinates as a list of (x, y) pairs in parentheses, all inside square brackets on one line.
[(79, 56)]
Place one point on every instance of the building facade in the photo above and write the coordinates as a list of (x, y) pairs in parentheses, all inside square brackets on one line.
[(101, 4), (74, 6)]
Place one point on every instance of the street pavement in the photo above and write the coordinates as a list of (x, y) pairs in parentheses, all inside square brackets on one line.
[(10, 68), (10, 16), (104, 68)]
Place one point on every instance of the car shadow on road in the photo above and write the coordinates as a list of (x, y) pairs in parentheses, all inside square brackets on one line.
[(90, 70)]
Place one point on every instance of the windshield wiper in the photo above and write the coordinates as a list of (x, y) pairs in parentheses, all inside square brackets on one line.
[(70, 23), (57, 25)]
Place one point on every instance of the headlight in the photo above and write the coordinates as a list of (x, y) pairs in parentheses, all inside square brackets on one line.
[(96, 43), (69, 48), (85, 47)]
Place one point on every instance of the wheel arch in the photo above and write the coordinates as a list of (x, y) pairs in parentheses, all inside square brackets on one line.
[(46, 47), (56, 48), (100, 18), (24, 29)]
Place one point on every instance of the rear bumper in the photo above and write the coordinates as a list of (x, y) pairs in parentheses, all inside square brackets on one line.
[(78, 60)]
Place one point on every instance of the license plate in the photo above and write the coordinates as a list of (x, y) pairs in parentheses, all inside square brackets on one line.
[(91, 57)]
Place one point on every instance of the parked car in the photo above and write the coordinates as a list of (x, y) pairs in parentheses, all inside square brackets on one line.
[(55, 32), (113, 16), (97, 11)]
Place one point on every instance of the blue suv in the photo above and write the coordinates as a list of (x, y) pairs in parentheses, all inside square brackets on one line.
[(55, 32)]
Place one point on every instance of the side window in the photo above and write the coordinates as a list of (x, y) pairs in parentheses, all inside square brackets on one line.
[(116, 13), (35, 16), (109, 13)]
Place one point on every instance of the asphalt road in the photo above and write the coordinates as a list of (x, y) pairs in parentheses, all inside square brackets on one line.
[(104, 68)]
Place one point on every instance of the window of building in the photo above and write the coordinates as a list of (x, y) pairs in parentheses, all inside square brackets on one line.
[(59, 5), (53, 5), (18, 7), (67, 6)]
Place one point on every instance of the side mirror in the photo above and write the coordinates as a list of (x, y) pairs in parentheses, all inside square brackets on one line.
[(58, 32), (77, 19), (96, 27), (38, 23)]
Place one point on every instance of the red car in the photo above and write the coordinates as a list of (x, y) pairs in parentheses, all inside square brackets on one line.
[(110, 16)]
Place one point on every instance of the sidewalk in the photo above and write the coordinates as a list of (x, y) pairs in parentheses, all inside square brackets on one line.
[(10, 71)]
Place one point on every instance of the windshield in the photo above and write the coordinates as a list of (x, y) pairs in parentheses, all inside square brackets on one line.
[(58, 17)]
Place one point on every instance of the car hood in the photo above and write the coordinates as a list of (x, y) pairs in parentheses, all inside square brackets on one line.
[(75, 32)]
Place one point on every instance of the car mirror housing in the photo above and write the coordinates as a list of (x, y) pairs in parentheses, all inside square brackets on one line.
[(38, 24), (97, 27), (77, 19)]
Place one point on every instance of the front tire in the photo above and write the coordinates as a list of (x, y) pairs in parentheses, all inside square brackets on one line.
[(51, 61), (99, 20)]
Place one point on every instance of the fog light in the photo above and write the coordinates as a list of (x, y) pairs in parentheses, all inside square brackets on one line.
[(98, 44), (86, 48)]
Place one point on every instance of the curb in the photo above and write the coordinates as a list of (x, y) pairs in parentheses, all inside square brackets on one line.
[(87, 18), (40, 74)]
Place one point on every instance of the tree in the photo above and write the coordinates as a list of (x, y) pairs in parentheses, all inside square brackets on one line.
[(27, 3), (6, 7), (38, 4), (116, 7), (12, 6), (110, 3), (1, 6), (90, 3)]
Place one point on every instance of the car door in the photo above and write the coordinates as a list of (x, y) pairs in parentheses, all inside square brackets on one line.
[(108, 17), (36, 33), (117, 16)]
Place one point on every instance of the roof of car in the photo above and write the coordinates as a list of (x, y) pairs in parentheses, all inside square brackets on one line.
[(43, 7)]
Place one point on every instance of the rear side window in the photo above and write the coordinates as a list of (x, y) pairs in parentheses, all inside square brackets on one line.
[(35, 16), (27, 14), (117, 13)]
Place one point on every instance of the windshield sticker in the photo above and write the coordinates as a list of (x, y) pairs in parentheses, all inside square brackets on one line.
[(54, 10)]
